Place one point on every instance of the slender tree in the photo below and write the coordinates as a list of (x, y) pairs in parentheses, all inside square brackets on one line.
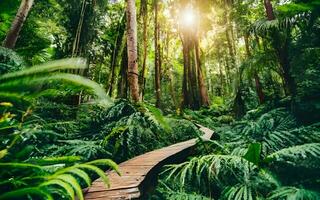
[(204, 97), (21, 16), (123, 75), (133, 76), (144, 12), (115, 53), (157, 54)]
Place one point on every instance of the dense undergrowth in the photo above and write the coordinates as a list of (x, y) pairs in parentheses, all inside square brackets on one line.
[(266, 155), (51, 149)]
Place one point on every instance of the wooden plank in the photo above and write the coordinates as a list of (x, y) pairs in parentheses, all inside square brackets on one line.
[(138, 172)]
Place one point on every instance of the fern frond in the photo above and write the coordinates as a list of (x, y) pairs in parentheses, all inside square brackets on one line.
[(70, 63), (214, 167), (22, 193), (54, 160), (69, 191), (293, 193), (185, 196), (73, 182), (156, 115), (295, 153), (238, 192)]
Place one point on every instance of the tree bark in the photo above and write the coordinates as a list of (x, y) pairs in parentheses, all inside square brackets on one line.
[(115, 54), (21, 16), (123, 80), (157, 55), (185, 98), (202, 87), (269, 9), (145, 49), (76, 42), (133, 76)]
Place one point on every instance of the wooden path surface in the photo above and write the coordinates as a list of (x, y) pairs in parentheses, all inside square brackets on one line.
[(139, 173)]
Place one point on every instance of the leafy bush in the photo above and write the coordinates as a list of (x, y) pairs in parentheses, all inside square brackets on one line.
[(27, 170), (10, 61), (270, 157)]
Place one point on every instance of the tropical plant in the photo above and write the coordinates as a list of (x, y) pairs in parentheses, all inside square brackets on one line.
[(255, 160)]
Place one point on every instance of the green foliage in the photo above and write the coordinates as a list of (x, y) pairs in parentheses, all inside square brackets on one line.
[(294, 193), (253, 153), (43, 80), (9, 61), (49, 181), (26, 170), (270, 157)]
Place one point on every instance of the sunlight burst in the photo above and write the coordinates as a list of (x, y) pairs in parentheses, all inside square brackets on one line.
[(188, 17)]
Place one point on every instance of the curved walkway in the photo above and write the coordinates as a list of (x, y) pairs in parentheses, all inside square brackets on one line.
[(139, 173)]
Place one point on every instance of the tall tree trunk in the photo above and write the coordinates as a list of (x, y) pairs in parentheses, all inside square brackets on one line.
[(115, 54), (76, 42), (133, 76), (185, 94), (269, 9), (145, 47), (157, 55), (123, 75), (185, 99), (21, 16), (258, 84), (193, 81), (220, 91), (201, 84)]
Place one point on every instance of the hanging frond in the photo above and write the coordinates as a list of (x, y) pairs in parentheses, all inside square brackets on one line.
[(45, 80)]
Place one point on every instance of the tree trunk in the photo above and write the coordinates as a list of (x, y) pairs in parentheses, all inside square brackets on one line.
[(201, 84), (145, 49), (76, 42), (21, 16), (123, 80), (257, 81), (157, 55), (185, 100), (269, 10), (133, 76), (115, 55)]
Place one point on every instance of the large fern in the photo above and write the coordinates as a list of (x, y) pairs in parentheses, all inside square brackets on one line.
[(293, 193), (46, 79), (51, 181)]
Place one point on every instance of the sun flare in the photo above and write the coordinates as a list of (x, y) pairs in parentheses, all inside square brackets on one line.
[(188, 17)]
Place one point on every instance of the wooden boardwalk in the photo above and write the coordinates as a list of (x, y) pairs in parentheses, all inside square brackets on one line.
[(139, 173)]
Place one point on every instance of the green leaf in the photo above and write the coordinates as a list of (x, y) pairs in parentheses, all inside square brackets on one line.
[(73, 182), (66, 186), (81, 174), (18, 194), (253, 153), (70, 63), (3, 153)]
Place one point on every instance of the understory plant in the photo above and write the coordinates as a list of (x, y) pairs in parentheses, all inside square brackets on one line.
[(25, 173), (271, 157)]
